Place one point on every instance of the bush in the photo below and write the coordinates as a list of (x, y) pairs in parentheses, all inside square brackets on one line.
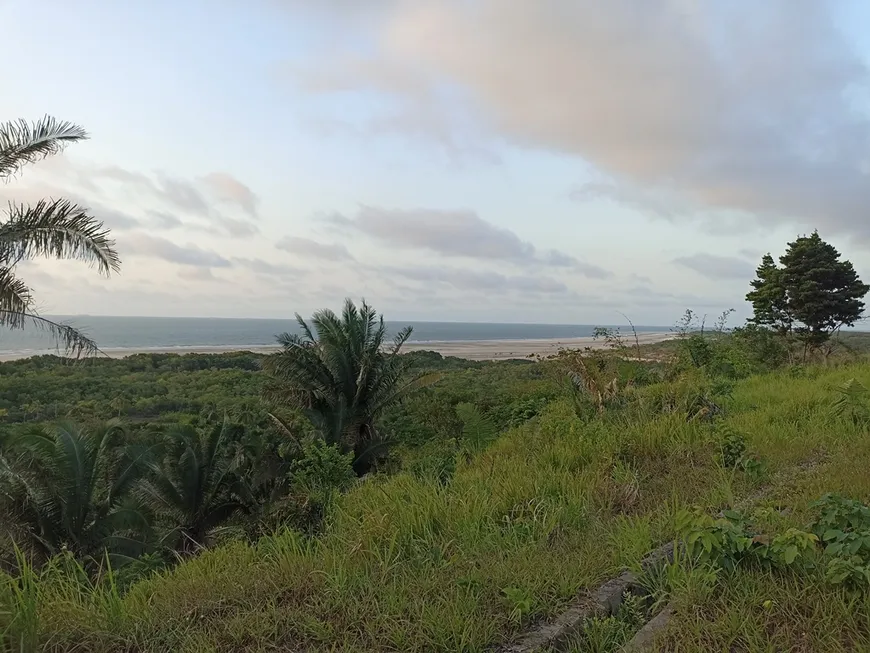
[(323, 469), (763, 346)]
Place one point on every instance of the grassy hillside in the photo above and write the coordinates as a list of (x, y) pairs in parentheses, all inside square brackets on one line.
[(426, 561)]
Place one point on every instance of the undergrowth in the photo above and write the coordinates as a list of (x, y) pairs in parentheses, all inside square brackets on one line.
[(468, 549)]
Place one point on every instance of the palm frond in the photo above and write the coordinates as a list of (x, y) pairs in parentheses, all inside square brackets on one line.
[(134, 461), (23, 142), (16, 299), (400, 339), (285, 430), (72, 341), (56, 228), (341, 373), (478, 430)]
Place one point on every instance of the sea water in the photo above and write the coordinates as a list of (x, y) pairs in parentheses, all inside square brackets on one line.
[(137, 333)]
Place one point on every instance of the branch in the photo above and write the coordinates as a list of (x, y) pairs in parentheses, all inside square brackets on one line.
[(634, 331), (60, 229), (22, 142)]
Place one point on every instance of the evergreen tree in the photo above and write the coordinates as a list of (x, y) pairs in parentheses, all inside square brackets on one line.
[(812, 292), (768, 297)]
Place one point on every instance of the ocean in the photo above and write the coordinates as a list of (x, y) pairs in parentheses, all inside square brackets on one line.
[(137, 333)]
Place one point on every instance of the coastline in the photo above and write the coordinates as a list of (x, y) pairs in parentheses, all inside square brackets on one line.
[(476, 350)]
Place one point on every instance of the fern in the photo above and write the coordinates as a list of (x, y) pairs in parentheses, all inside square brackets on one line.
[(478, 430), (851, 401)]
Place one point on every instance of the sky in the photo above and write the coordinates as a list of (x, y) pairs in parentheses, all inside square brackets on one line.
[(553, 161)]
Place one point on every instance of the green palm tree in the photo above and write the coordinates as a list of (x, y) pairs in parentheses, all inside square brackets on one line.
[(195, 488), (50, 228), (68, 487), (344, 377)]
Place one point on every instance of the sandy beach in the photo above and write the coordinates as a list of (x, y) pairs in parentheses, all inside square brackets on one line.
[(469, 349)]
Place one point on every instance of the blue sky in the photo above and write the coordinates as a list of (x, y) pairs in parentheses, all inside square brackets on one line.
[(487, 160)]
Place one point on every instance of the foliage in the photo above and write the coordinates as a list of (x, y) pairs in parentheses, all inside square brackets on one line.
[(451, 553), (438, 463), (519, 602), (323, 469), (851, 402), (842, 528), (763, 347), (732, 448), (722, 541), (811, 293), (478, 431), (193, 489), (67, 486), (593, 381), (843, 525), (343, 378), (611, 633), (691, 395), (54, 228)]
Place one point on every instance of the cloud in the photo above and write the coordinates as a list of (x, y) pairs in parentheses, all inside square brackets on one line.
[(197, 274), (236, 227), (161, 248), (112, 218), (165, 220), (261, 266), (182, 195), (717, 267), (457, 233), (477, 280), (205, 199), (313, 249), (685, 105), (226, 187)]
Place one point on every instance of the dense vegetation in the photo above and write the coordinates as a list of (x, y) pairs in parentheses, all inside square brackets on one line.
[(340, 495), (458, 538)]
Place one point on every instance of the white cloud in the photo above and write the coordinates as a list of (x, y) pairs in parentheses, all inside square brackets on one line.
[(686, 106)]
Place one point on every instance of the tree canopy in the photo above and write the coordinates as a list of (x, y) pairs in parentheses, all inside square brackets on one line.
[(812, 292)]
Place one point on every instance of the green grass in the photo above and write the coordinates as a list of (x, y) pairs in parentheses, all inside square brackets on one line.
[(787, 421), (553, 507)]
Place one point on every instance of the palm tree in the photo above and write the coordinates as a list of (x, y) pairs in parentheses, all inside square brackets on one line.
[(53, 228), (195, 488), (67, 486), (344, 377)]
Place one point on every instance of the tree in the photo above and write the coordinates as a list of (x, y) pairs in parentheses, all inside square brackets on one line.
[(768, 298), (193, 488), (344, 377), (68, 487), (811, 293), (50, 228)]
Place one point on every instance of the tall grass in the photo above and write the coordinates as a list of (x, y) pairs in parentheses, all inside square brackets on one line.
[(409, 563)]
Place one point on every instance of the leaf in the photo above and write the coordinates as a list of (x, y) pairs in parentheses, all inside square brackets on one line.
[(832, 534), (478, 431), (790, 554)]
